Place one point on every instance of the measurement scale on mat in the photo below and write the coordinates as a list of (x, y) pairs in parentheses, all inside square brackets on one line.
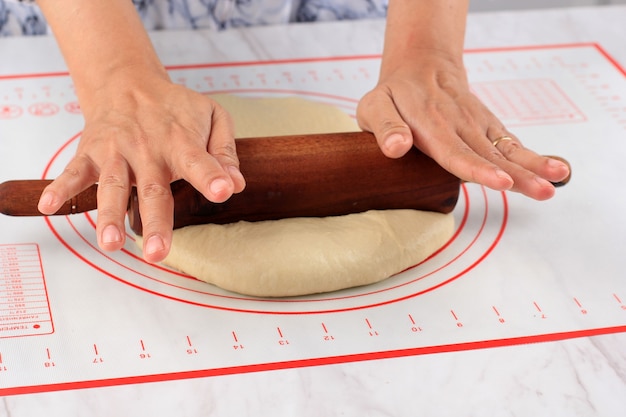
[(24, 308), (286, 334)]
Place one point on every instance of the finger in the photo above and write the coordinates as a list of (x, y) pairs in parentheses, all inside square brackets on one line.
[(554, 160), (533, 174), (156, 208), (551, 169), (77, 176), (462, 161), (435, 137), (226, 155), (222, 146), (113, 194), (202, 170), (205, 174), (377, 113)]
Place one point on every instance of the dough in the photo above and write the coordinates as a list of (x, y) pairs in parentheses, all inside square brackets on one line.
[(258, 117), (301, 256), (291, 257)]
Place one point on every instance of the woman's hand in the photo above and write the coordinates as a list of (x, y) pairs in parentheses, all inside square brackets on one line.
[(140, 128), (145, 131), (423, 99), (427, 102)]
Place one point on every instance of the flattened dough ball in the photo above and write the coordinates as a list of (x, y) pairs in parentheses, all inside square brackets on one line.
[(300, 256)]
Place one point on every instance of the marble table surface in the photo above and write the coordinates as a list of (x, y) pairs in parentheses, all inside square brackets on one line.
[(583, 376)]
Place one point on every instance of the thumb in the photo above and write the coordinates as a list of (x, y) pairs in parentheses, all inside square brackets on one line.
[(377, 113)]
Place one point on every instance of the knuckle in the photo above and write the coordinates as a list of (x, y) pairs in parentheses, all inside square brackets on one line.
[(72, 172), (140, 142), (228, 149), (154, 191), (191, 158), (369, 102), (454, 160), (495, 154), (388, 125), (77, 166), (510, 149), (113, 181), (151, 224), (110, 213)]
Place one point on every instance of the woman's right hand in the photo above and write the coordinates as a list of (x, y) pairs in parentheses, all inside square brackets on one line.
[(145, 131)]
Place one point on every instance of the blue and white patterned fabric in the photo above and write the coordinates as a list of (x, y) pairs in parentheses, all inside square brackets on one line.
[(23, 17)]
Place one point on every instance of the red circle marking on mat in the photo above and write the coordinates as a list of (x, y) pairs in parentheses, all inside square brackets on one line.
[(151, 273)]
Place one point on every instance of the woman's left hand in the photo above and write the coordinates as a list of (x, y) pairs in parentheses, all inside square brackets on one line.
[(426, 102)]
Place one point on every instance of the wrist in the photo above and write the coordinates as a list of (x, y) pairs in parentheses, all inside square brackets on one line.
[(424, 63), (119, 87)]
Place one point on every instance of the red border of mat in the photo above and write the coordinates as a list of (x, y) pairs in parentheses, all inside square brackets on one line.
[(456, 347)]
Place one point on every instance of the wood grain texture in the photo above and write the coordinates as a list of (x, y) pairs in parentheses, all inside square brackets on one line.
[(316, 176)]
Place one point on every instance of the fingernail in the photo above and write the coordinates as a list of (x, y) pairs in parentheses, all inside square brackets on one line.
[(543, 182), (394, 141), (556, 164), (503, 174), (234, 172), (111, 234), (47, 199), (154, 244), (218, 186)]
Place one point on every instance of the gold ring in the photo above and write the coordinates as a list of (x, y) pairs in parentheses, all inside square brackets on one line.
[(500, 139)]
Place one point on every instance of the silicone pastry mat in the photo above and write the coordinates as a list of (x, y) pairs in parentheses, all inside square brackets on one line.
[(516, 270)]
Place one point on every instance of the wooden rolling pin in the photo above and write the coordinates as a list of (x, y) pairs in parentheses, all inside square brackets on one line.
[(287, 176)]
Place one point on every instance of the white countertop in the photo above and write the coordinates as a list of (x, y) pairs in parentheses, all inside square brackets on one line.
[(583, 376)]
